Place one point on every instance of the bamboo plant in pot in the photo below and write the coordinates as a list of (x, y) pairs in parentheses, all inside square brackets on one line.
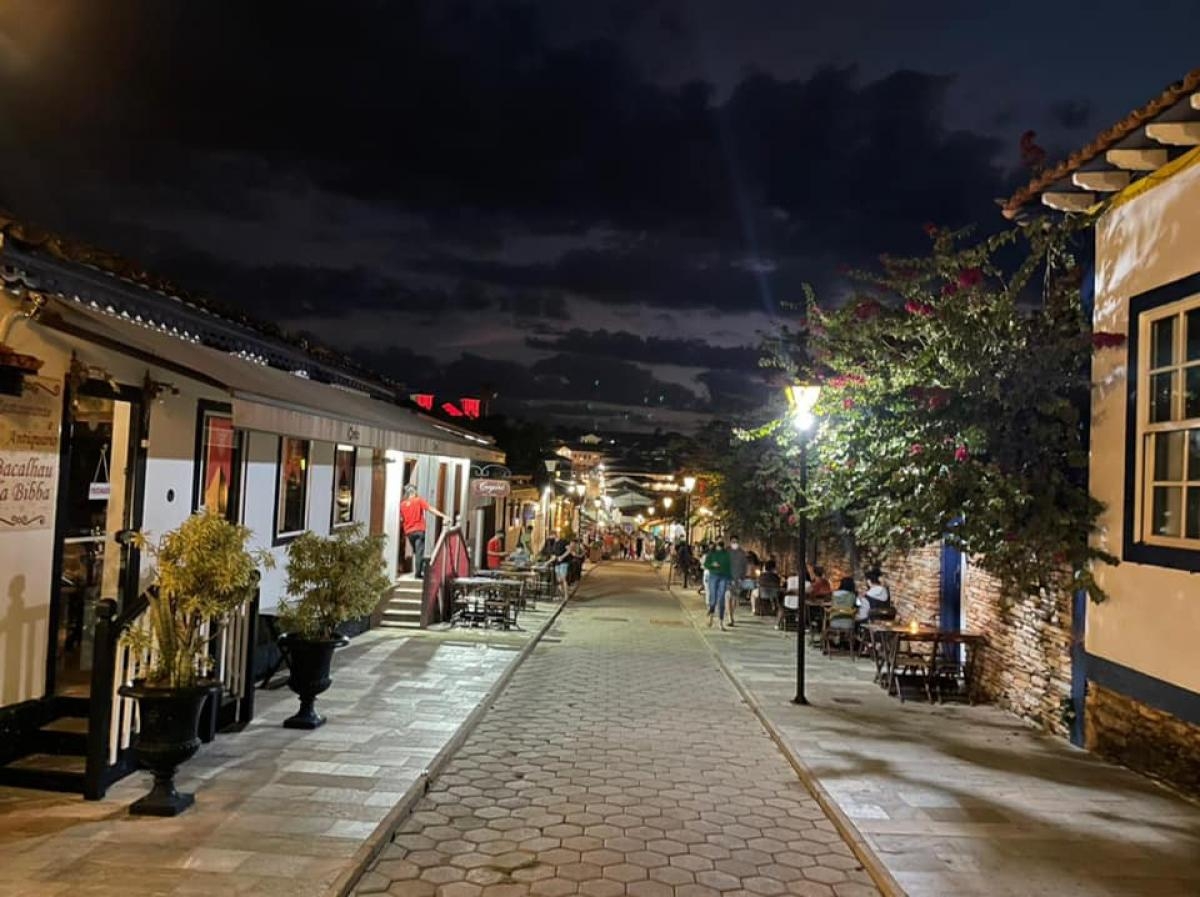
[(203, 571), (331, 580)]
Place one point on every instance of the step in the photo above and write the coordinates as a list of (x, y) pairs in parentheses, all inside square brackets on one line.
[(403, 601), (45, 772), (385, 623), (65, 735)]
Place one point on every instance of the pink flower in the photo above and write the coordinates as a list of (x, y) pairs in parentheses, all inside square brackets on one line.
[(916, 449), (950, 289), (917, 307), (784, 509), (847, 403), (793, 520), (866, 309), (970, 277), (962, 454), (841, 381), (1105, 340)]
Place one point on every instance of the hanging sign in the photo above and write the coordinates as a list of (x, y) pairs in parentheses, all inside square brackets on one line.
[(29, 428), (490, 488), (100, 488)]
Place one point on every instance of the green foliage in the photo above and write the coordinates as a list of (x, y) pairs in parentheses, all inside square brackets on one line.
[(203, 571), (332, 579), (950, 408)]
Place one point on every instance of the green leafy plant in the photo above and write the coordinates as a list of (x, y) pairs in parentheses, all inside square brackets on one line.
[(331, 579), (954, 405), (203, 572)]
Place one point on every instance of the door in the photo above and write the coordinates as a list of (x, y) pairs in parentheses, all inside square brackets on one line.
[(950, 613), (99, 497)]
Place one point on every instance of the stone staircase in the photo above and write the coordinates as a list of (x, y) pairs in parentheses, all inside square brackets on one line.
[(403, 608)]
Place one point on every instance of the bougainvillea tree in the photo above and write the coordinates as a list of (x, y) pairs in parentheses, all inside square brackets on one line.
[(954, 406)]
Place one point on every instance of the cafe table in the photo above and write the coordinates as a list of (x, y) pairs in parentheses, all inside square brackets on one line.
[(480, 600), (949, 654)]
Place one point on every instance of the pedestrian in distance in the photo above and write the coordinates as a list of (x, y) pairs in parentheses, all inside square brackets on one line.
[(413, 509), (562, 566), (716, 565), (737, 573)]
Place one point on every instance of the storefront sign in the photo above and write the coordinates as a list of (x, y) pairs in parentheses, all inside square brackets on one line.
[(29, 427), (490, 488)]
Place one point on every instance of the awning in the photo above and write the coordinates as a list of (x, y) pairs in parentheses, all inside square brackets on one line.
[(271, 400)]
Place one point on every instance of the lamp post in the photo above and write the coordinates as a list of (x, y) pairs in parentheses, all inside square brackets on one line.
[(689, 483), (801, 400)]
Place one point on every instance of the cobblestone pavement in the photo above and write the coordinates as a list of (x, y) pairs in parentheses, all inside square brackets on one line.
[(619, 760), (278, 811), (961, 801)]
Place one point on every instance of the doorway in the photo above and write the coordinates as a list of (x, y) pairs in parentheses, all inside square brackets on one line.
[(99, 497), (950, 611)]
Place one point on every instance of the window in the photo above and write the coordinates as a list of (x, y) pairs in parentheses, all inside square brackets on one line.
[(217, 482), (291, 505), (345, 461), (1161, 524)]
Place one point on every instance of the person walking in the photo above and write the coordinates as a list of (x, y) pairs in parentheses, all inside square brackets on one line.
[(716, 565), (561, 556), (738, 563), (413, 509)]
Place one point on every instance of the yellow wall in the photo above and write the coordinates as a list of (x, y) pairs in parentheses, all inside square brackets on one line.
[(1151, 621)]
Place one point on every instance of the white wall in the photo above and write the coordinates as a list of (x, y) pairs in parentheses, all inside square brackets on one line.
[(1151, 621)]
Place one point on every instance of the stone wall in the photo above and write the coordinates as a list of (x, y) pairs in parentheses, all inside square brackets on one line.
[(915, 583), (1026, 667), (1142, 738)]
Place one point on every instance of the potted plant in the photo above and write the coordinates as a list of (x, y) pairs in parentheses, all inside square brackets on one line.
[(203, 572), (332, 579)]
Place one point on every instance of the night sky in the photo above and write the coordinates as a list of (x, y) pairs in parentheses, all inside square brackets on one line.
[(592, 208)]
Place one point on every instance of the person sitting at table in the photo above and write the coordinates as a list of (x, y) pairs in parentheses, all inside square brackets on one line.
[(879, 598), (843, 609), (820, 584), (519, 556), (769, 585)]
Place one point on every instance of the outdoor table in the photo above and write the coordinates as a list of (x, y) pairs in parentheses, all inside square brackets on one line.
[(886, 641), (481, 600)]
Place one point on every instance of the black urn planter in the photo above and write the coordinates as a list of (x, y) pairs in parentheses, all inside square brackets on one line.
[(170, 718), (308, 666)]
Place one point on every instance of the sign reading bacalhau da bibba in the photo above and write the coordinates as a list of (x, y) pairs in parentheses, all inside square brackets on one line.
[(29, 429)]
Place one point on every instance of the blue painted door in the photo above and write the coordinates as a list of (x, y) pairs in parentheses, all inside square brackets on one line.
[(950, 613)]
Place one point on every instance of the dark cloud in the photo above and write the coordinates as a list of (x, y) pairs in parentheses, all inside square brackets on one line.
[(627, 346), (1071, 114), (422, 157)]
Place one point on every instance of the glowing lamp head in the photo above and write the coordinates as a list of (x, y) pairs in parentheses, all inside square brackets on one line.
[(912, 627), (667, 503), (689, 483), (802, 398)]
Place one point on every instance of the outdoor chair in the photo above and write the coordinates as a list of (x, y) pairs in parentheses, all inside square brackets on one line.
[(768, 600), (915, 662), (839, 632)]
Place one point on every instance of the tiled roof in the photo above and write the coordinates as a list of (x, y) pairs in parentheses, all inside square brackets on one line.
[(1104, 141), (38, 242)]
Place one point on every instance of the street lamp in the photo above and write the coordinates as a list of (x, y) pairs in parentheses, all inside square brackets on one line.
[(802, 398), (689, 483)]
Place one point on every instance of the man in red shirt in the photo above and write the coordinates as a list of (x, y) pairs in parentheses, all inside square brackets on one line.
[(412, 518), (495, 551)]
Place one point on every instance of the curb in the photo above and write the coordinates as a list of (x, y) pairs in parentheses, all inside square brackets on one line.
[(880, 874), (370, 849)]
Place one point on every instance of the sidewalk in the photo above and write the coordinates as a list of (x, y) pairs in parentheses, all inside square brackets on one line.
[(278, 811), (961, 801)]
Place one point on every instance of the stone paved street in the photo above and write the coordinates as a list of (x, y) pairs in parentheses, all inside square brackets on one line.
[(619, 760), (961, 801)]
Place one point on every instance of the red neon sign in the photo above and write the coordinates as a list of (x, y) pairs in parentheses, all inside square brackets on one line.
[(451, 409), (424, 400), (470, 407)]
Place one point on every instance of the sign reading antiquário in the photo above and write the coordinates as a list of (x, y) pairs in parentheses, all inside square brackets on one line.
[(29, 426), (490, 488)]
